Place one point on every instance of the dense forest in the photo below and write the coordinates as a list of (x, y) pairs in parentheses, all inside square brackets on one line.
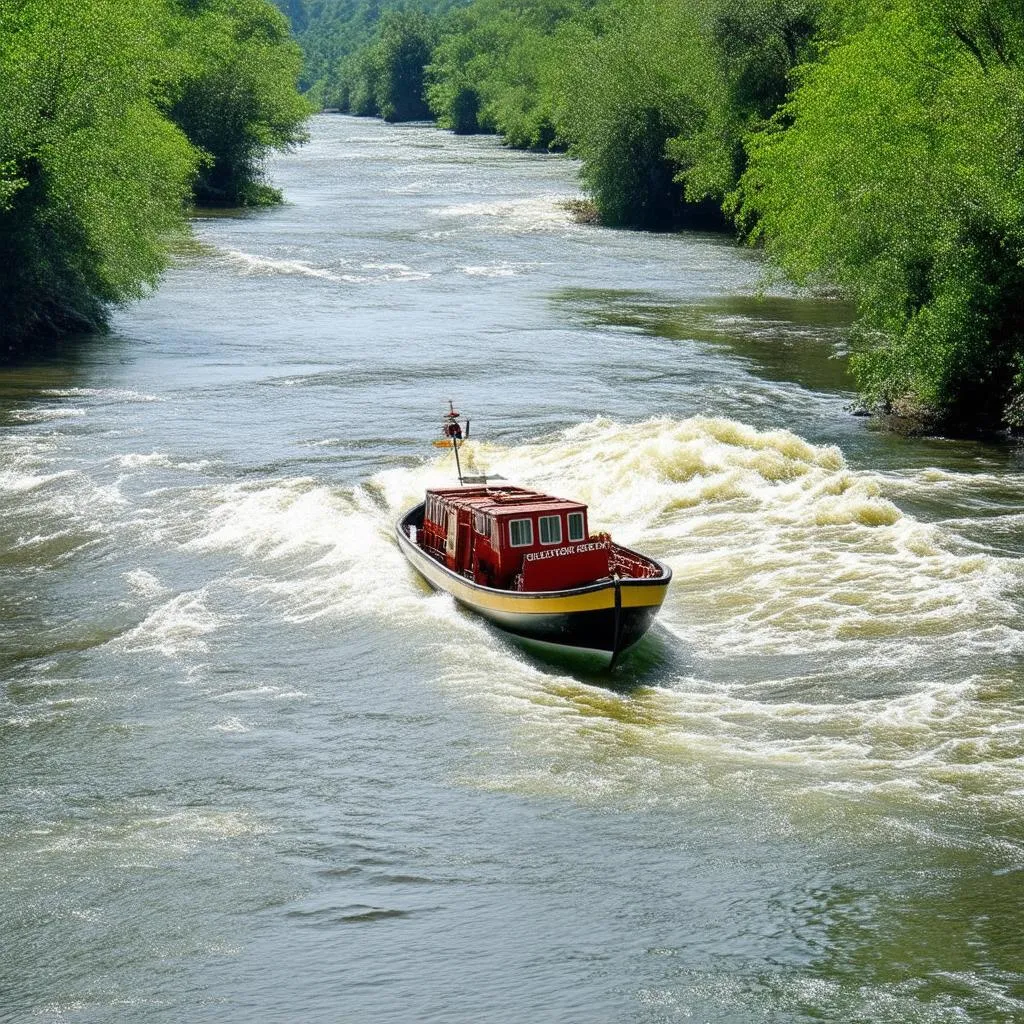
[(872, 147), (113, 118)]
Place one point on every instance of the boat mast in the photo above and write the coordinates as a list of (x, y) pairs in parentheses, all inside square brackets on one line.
[(458, 466), (453, 431), (453, 437)]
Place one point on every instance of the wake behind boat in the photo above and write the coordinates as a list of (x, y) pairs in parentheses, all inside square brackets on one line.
[(527, 562)]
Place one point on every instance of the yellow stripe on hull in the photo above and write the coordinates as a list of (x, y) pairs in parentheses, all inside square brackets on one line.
[(634, 594)]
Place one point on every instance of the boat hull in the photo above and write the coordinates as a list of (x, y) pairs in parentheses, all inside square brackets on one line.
[(602, 618)]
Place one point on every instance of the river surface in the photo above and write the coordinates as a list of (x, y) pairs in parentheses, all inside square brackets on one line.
[(253, 770)]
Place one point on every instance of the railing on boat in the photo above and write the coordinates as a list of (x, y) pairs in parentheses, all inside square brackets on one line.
[(632, 566)]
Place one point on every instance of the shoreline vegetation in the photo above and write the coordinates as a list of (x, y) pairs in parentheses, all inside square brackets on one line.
[(870, 147), (115, 118)]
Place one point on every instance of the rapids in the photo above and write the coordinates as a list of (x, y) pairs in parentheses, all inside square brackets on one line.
[(254, 770)]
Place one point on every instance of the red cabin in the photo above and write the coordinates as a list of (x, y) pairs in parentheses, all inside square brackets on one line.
[(513, 538)]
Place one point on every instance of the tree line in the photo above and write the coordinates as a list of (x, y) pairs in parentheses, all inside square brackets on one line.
[(872, 147), (113, 118)]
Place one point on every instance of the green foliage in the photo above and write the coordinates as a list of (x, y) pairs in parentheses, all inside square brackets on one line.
[(654, 96), (872, 145), (387, 77), (94, 176), (496, 69), (750, 48), (405, 39), (297, 13), (357, 88), (453, 82), (895, 173), (757, 43), (236, 94), (641, 82), (335, 35), (91, 176)]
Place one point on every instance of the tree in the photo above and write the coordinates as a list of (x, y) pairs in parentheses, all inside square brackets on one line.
[(235, 96), (495, 69), (402, 51), (644, 79), (92, 177), (749, 48)]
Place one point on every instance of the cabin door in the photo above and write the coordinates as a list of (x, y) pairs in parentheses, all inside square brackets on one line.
[(453, 533), (465, 548)]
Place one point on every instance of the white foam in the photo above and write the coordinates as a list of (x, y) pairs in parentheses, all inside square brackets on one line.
[(518, 216), (17, 480), (47, 538), (230, 725), (777, 545), (491, 270), (260, 693), (178, 626), (44, 414), (324, 552), (373, 273), (395, 272), (779, 548), (114, 394), (252, 264), (274, 519), (161, 460), (152, 831), (144, 583)]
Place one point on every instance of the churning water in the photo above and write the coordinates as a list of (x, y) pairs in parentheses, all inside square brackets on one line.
[(254, 770)]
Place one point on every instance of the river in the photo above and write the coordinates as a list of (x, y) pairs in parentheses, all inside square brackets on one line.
[(254, 771)]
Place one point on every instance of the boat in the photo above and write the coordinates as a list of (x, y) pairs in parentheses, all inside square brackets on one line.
[(528, 563)]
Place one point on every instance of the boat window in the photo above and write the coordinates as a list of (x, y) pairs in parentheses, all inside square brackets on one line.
[(551, 529), (521, 533), (480, 524), (575, 526)]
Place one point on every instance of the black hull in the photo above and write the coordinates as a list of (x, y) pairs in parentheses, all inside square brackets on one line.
[(590, 631), (604, 618)]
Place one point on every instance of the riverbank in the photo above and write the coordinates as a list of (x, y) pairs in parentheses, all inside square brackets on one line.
[(885, 171), (150, 106)]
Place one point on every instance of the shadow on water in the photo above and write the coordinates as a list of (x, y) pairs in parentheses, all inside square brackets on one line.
[(35, 376), (655, 660), (798, 339)]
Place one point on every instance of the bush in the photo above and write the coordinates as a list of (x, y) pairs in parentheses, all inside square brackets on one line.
[(402, 52), (494, 70), (894, 172)]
